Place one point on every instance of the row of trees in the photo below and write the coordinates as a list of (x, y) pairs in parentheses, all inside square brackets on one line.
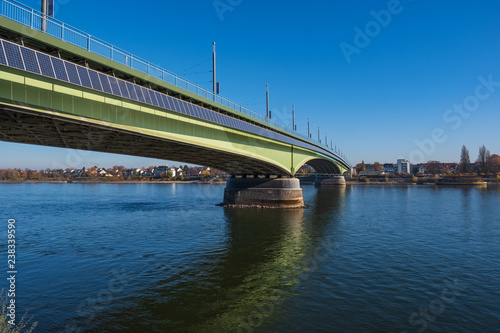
[(485, 162), (362, 167)]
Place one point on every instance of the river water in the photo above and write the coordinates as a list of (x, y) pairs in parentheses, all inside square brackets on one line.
[(165, 258)]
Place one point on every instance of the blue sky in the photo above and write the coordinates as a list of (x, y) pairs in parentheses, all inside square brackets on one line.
[(384, 79)]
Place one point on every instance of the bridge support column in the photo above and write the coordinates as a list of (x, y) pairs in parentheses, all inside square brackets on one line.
[(326, 181), (263, 193)]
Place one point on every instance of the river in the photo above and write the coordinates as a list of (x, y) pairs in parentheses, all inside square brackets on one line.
[(165, 258)]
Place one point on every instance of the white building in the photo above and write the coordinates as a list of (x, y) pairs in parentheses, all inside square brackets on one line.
[(404, 166)]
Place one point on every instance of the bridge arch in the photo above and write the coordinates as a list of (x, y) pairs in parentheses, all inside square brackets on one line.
[(323, 165)]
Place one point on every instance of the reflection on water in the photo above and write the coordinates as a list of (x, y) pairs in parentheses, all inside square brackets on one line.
[(266, 253)]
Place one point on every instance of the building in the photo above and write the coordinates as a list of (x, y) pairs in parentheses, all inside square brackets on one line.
[(161, 169), (389, 167), (403, 166)]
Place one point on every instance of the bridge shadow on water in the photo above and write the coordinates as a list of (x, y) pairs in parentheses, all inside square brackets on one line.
[(267, 255)]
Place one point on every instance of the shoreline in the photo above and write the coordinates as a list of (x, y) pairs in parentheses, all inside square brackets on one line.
[(108, 182), (348, 183)]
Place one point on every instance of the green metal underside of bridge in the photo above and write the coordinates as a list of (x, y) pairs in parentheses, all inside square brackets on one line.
[(38, 110)]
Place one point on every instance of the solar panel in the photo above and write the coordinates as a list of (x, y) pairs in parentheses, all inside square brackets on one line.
[(198, 112), (138, 92), (94, 78), (160, 100), (166, 101), (211, 116), (113, 82), (123, 88), (147, 97), (201, 113), (3, 60), (13, 54), (174, 106), (223, 120), (185, 107), (83, 72), (45, 65), (131, 91), (105, 83), (72, 73), (177, 106), (216, 117), (59, 69), (30, 61), (153, 97)]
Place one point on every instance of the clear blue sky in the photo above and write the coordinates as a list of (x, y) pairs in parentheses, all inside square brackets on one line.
[(385, 93)]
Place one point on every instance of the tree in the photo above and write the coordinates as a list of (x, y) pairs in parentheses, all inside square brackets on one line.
[(185, 170), (482, 159), (494, 163), (170, 174), (360, 167), (377, 166), (464, 166), (435, 167), (205, 174)]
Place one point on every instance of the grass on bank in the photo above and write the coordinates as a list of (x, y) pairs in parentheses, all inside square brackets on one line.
[(22, 326)]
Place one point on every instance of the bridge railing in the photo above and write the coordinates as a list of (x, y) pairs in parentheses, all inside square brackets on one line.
[(33, 19)]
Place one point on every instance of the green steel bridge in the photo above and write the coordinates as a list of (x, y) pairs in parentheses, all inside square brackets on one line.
[(61, 87)]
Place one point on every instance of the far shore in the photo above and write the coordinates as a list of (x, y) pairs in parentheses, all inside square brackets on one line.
[(109, 182), (348, 182)]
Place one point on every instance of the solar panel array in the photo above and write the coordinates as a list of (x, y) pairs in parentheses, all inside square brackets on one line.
[(20, 57)]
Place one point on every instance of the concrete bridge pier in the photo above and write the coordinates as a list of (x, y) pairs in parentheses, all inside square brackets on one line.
[(329, 181), (263, 193)]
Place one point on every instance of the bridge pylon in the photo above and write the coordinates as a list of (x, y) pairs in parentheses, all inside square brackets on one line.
[(263, 193)]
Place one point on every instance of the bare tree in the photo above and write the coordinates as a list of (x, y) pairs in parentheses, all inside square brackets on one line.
[(464, 160), (482, 159), (435, 167), (494, 163)]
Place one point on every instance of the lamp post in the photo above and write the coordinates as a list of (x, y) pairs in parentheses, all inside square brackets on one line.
[(213, 70), (267, 100), (47, 11)]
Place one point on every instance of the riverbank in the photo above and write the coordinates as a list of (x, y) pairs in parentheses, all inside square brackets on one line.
[(398, 182), (108, 182)]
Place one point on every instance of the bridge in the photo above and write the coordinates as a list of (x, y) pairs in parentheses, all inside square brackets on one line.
[(61, 87)]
